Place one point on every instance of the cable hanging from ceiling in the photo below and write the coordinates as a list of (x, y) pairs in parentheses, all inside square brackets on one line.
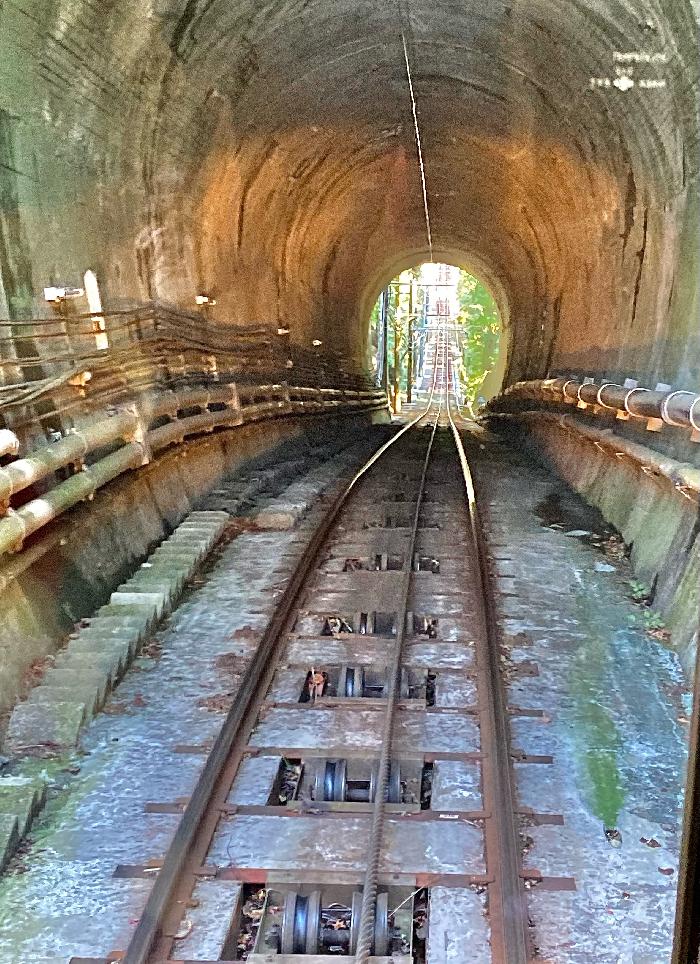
[(419, 146)]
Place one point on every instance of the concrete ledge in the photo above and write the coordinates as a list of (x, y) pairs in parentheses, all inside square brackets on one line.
[(95, 660), (287, 510), (9, 837), (22, 797), (97, 657), (109, 633), (70, 677), (53, 726), (100, 652), (118, 618), (656, 520), (108, 663), (156, 603), (169, 583), (93, 642)]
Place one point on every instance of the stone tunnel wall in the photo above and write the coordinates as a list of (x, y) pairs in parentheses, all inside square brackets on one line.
[(659, 524), (264, 153)]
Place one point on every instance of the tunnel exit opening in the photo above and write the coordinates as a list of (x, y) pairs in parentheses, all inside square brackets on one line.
[(418, 300)]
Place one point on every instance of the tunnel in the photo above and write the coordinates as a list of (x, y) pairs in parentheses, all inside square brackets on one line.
[(207, 211), (265, 154)]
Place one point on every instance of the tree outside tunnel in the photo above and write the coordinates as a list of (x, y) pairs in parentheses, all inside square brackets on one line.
[(417, 300)]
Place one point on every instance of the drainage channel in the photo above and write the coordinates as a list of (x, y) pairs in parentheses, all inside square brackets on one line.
[(358, 801)]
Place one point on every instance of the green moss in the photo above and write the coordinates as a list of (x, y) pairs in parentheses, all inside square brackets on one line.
[(595, 734)]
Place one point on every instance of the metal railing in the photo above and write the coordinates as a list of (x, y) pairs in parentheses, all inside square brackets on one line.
[(164, 376), (657, 407)]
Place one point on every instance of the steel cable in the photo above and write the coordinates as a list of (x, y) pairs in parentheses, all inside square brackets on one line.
[(370, 885)]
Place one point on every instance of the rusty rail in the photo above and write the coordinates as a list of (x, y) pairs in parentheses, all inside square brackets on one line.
[(368, 908), (152, 938), (507, 902)]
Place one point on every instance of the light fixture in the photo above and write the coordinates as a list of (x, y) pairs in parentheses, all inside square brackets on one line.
[(205, 300), (55, 294)]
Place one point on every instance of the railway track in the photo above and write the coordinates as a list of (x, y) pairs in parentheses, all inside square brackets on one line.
[(358, 801)]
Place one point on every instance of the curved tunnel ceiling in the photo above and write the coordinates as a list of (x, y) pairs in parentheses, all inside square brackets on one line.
[(265, 153)]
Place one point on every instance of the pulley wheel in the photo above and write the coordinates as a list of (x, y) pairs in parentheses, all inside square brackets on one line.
[(381, 926), (394, 785), (340, 781), (323, 780), (355, 920), (313, 922), (288, 923), (301, 923), (330, 780)]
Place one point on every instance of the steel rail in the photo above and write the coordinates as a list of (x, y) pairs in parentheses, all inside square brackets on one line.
[(507, 904), (154, 934), (366, 925), (686, 934)]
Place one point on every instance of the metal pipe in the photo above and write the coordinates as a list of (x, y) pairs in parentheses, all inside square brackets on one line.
[(681, 475), (673, 407), (19, 524), (18, 475), (72, 448), (9, 443)]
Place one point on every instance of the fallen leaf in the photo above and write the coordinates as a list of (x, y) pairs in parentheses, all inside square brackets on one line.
[(220, 702), (184, 929), (115, 708), (666, 871)]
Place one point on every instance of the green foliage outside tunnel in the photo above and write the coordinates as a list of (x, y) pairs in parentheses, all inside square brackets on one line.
[(421, 298), (481, 322)]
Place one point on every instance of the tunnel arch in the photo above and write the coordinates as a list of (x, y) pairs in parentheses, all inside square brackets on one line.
[(265, 153), (471, 265)]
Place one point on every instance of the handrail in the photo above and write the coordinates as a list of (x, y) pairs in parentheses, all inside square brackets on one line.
[(165, 375), (133, 427), (658, 407)]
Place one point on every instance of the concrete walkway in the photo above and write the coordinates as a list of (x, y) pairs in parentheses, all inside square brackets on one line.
[(616, 709)]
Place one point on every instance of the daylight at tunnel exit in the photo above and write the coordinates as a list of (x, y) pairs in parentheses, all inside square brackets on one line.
[(349, 481)]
